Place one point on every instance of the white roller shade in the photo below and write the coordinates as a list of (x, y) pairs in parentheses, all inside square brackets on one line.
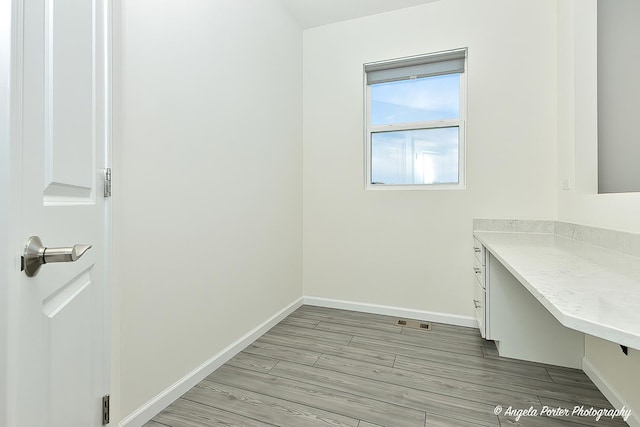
[(435, 64)]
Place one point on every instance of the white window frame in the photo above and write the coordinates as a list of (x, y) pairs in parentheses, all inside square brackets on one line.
[(432, 124)]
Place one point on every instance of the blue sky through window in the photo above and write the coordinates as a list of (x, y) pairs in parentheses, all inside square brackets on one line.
[(416, 100)]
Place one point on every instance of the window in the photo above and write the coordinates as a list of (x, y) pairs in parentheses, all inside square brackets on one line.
[(415, 122)]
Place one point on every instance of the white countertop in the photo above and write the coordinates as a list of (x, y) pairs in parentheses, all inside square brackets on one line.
[(586, 287)]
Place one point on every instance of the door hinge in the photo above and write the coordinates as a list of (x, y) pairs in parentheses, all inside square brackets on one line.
[(105, 410), (107, 182)]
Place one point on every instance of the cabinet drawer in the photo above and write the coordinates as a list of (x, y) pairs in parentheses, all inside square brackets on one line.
[(479, 271), (479, 251), (479, 298)]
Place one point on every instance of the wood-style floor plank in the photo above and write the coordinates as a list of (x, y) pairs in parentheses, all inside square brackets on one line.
[(330, 367), (413, 349), (300, 322), (576, 378), (476, 366), (447, 421), (324, 398), (351, 320), (437, 332), (265, 408), (185, 413), (275, 351), (332, 337), (424, 340), (252, 362), (400, 334), (450, 393), (383, 389), (368, 319), (431, 356), (501, 381), (364, 321), (372, 355)]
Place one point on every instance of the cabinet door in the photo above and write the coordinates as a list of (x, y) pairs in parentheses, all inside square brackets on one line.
[(479, 303)]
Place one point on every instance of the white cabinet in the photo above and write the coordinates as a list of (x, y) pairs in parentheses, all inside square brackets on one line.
[(510, 315), (521, 327)]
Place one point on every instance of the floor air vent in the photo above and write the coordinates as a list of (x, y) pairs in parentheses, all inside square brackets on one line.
[(414, 324)]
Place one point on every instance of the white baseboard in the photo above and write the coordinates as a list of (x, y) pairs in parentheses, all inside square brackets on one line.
[(427, 316), (150, 409), (609, 392)]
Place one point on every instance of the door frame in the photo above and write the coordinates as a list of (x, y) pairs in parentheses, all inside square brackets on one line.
[(11, 244), (10, 185)]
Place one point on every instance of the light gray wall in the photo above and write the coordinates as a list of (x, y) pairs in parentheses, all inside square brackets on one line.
[(618, 96), (207, 191)]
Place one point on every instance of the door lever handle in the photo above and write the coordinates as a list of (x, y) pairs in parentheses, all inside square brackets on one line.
[(35, 254), (64, 254)]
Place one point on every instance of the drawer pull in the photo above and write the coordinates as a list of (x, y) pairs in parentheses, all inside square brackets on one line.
[(476, 303), (476, 250), (477, 270)]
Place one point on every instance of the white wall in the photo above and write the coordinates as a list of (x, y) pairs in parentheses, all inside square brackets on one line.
[(577, 160), (412, 249), (207, 191)]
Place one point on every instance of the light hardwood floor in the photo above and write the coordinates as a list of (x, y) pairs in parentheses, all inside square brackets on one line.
[(327, 367)]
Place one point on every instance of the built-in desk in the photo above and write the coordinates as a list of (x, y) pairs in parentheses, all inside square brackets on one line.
[(579, 288)]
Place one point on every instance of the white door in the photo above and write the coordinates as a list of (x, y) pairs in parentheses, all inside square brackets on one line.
[(58, 346)]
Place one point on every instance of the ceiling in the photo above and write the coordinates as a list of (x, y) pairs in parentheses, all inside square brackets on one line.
[(313, 13)]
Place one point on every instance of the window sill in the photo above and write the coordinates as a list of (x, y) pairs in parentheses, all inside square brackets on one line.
[(414, 187)]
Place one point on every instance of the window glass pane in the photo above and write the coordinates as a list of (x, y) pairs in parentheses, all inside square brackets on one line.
[(423, 156), (415, 100)]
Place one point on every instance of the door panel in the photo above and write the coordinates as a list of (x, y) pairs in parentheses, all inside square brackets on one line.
[(71, 347), (69, 100), (60, 360)]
